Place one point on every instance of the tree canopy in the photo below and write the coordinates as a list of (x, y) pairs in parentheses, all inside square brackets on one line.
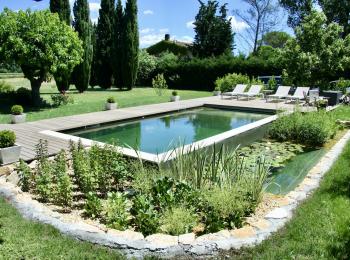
[(317, 54), (275, 39), (213, 30), (62, 8), (40, 44), (297, 10)]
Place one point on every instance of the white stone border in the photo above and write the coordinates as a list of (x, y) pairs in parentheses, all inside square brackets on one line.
[(170, 155), (133, 244)]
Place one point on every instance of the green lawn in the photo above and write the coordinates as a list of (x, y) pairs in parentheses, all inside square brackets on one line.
[(23, 239), (320, 228), (90, 101)]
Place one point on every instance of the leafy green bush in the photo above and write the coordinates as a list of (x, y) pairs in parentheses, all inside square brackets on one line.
[(146, 68), (168, 46), (111, 100), (178, 220), (146, 217), (228, 82), (43, 175), (25, 175), (272, 83), (61, 99), (116, 211), (5, 88), (159, 84), (342, 85), (23, 96), (174, 93), (7, 138), (312, 129), (16, 110), (93, 205)]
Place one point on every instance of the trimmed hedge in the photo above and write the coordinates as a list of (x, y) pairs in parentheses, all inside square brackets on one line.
[(201, 74)]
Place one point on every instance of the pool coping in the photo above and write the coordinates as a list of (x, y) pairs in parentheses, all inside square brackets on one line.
[(171, 154)]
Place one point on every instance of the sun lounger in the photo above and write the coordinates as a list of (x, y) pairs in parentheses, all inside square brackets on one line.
[(239, 89), (300, 94), (253, 92), (282, 92)]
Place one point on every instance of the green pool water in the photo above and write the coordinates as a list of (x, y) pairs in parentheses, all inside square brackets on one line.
[(163, 133)]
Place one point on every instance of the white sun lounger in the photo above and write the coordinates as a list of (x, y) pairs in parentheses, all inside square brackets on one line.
[(254, 91), (239, 89), (282, 92), (300, 94)]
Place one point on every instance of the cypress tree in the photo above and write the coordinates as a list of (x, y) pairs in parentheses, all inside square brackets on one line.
[(82, 25), (131, 44), (104, 39), (62, 8), (94, 68), (117, 45)]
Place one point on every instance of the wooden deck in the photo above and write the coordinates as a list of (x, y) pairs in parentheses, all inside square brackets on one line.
[(28, 134)]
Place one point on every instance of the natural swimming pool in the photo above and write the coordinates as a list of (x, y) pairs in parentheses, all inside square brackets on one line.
[(162, 133)]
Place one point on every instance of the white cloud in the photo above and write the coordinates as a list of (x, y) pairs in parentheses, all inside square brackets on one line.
[(190, 24), (94, 7), (146, 30), (237, 26), (148, 12), (164, 30), (150, 39), (186, 38)]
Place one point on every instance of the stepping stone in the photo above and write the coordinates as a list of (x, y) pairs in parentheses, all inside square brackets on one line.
[(278, 213)]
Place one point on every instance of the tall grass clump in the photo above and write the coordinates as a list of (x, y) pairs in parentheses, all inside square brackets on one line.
[(312, 129)]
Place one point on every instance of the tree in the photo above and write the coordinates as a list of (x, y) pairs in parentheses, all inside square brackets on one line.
[(261, 18), (337, 11), (40, 44), (82, 25), (297, 10), (317, 55), (130, 40), (104, 40), (275, 39), (213, 31), (62, 8), (94, 67), (118, 45)]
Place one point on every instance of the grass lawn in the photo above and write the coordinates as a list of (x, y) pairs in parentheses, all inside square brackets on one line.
[(23, 239), (90, 101), (320, 228)]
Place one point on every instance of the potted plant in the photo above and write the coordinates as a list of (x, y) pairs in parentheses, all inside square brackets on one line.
[(175, 96), (17, 114), (217, 91), (321, 104), (111, 104), (9, 152)]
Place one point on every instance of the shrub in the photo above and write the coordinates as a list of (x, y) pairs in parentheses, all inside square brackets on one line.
[(272, 83), (228, 82), (159, 84), (312, 129), (111, 100), (146, 218), (146, 68), (174, 93), (116, 211), (25, 175), (16, 110), (342, 85), (23, 96), (43, 175), (5, 88), (178, 220), (93, 205), (61, 99), (7, 138)]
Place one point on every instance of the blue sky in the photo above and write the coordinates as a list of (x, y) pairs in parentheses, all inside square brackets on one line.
[(157, 17)]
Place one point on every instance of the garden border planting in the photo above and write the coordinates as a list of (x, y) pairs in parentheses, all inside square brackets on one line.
[(134, 244)]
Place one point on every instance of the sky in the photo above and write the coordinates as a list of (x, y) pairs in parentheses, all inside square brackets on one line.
[(158, 17)]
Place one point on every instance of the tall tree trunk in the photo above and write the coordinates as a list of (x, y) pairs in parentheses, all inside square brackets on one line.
[(35, 85)]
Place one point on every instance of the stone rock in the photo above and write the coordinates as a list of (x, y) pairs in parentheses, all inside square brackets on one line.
[(310, 182), (199, 250), (187, 239), (128, 234), (32, 165), (5, 171), (297, 195), (278, 213), (284, 202), (161, 240), (244, 232), (13, 178), (261, 224)]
